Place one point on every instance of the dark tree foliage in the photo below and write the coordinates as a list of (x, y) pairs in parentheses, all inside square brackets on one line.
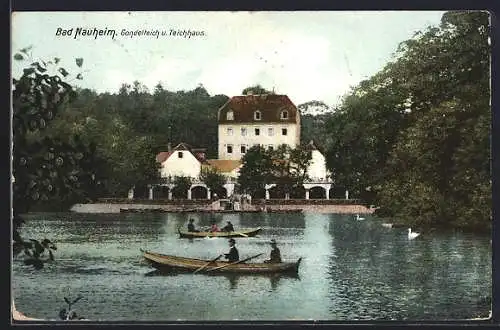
[(415, 137), (182, 185), (214, 180), (284, 166), (48, 167), (256, 170), (256, 90)]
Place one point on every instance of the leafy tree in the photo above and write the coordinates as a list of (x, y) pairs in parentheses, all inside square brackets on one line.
[(214, 180), (50, 167), (256, 90), (284, 166), (255, 172), (182, 185), (289, 167), (416, 134)]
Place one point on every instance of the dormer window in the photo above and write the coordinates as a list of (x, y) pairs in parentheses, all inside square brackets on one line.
[(257, 115), (230, 115), (284, 114)]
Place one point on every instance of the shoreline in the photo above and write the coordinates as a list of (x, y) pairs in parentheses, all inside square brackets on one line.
[(306, 208)]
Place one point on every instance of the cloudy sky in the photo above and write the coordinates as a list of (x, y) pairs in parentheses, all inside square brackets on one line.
[(306, 55)]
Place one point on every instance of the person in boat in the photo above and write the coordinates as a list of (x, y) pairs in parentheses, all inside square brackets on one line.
[(228, 227), (233, 255), (275, 253), (214, 227), (191, 227)]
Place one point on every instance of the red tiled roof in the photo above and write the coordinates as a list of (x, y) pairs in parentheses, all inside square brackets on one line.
[(269, 105), (163, 156)]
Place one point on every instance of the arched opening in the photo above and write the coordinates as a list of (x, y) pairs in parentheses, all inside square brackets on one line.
[(259, 194), (220, 193), (276, 192), (337, 192), (298, 192), (199, 192), (160, 192), (141, 192), (317, 193)]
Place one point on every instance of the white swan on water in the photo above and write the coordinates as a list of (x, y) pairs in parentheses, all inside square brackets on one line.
[(359, 218), (412, 235)]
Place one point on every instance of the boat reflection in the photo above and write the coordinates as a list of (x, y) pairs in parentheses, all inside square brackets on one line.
[(274, 279), (234, 279)]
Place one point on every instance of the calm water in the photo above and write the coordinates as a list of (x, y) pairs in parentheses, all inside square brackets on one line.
[(351, 270)]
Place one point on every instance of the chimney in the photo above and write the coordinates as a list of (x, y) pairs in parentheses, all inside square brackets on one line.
[(201, 156), (169, 147)]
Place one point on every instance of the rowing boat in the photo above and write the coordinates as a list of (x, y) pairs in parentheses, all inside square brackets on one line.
[(225, 234), (173, 263)]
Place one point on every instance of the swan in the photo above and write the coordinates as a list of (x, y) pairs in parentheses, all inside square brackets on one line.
[(412, 235), (359, 218)]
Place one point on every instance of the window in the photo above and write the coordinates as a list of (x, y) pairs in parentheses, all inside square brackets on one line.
[(230, 115), (270, 147), (230, 131), (284, 131), (270, 131), (229, 149), (243, 131), (257, 115), (284, 114), (243, 149), (180, 154), (257, 131)]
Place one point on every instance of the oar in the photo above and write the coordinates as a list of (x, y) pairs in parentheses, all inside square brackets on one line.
[(236, 262), (244, 235), (208, 263)]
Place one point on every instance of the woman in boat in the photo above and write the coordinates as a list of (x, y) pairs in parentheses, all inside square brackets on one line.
[(233, 254), (228, 228), (275, 253), (191, 227), (214, 227)]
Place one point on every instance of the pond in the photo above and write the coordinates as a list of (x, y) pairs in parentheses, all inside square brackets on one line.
[(351, 270)]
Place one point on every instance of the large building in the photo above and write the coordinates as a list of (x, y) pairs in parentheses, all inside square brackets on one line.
[(268, 120)]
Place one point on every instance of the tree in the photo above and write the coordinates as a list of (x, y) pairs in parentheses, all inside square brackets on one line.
[(182, 185), (289, 167), (256, 90), (416, 134), (49, 167), (214, 180), (255, 172), (284, 166)]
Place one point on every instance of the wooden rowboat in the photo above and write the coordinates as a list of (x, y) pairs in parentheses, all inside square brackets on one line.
[(201, 234), (180, 264)]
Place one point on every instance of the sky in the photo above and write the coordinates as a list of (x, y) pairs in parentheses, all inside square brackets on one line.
[(305, 55)]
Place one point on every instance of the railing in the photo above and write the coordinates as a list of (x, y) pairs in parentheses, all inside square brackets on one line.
[(171, 180)]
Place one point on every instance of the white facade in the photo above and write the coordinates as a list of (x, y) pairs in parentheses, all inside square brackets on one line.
[(239, 137), (317, 169), (181, 163)]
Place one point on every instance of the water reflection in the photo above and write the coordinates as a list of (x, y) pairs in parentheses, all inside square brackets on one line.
[(422, 278), (350, 269)]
